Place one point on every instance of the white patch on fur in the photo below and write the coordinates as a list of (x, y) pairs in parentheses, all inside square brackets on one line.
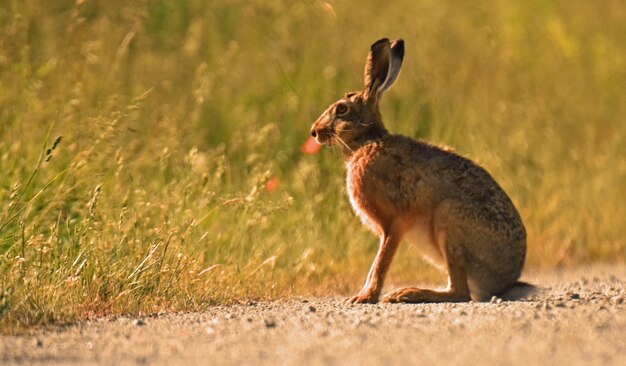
[(366, 220), (419, 235)]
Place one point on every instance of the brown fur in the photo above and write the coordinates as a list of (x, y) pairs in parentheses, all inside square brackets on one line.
[(403, 189)]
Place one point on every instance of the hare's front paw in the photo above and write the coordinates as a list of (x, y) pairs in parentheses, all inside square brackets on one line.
[(363, 298)]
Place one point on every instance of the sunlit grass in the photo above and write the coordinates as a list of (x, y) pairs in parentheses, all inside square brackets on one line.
[(174, 116)]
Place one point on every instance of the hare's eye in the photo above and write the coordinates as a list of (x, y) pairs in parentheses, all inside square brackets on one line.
[(341, 109)]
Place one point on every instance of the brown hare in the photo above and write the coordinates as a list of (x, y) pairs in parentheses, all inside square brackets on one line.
[(402, 189)]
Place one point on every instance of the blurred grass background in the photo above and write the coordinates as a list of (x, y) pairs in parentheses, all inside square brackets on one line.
[(175, 115)]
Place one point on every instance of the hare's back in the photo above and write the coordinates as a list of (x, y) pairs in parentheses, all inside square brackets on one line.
[(442, 173), (460, 179), (412, 173)]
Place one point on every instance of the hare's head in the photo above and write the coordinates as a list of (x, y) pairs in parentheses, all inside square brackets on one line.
[(355, 119)]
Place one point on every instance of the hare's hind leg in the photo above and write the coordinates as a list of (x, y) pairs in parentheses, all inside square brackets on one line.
[(457, 291)]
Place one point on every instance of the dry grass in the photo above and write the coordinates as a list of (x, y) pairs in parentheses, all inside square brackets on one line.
[(175, 115)]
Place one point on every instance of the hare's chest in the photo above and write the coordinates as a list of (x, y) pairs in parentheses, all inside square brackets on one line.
[(358, 197)]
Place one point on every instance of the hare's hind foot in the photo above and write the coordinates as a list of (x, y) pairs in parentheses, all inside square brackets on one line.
[(417, 295)]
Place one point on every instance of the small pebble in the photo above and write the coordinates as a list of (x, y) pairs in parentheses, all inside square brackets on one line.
[(270, 323), (312, 309), (139, 322)]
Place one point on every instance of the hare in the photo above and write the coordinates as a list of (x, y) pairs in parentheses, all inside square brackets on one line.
[(402, 189)]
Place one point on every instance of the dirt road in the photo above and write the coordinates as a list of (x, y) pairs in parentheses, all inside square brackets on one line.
[(580, 319)]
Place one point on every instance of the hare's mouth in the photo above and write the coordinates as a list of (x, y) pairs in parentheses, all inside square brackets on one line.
[(323, 141), (324, 138)]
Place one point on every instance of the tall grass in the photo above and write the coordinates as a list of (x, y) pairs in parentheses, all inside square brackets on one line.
[(137, 140)]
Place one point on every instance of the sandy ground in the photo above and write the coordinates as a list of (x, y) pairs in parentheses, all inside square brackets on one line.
[(579, 319)]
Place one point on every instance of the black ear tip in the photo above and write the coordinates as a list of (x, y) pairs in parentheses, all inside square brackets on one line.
[(398, 47), (380, 41)]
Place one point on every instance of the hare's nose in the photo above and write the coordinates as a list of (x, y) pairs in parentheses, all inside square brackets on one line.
[(313, 133)]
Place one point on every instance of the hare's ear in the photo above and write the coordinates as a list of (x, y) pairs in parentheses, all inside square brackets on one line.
[(395, 64), (377, 68)]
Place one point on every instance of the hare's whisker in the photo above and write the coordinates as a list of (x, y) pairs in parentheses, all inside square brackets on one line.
[(340, 140)]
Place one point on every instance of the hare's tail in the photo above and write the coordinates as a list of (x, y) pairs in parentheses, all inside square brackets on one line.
[(519, 291)]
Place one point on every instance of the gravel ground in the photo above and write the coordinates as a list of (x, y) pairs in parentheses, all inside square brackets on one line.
[(578, 319)]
